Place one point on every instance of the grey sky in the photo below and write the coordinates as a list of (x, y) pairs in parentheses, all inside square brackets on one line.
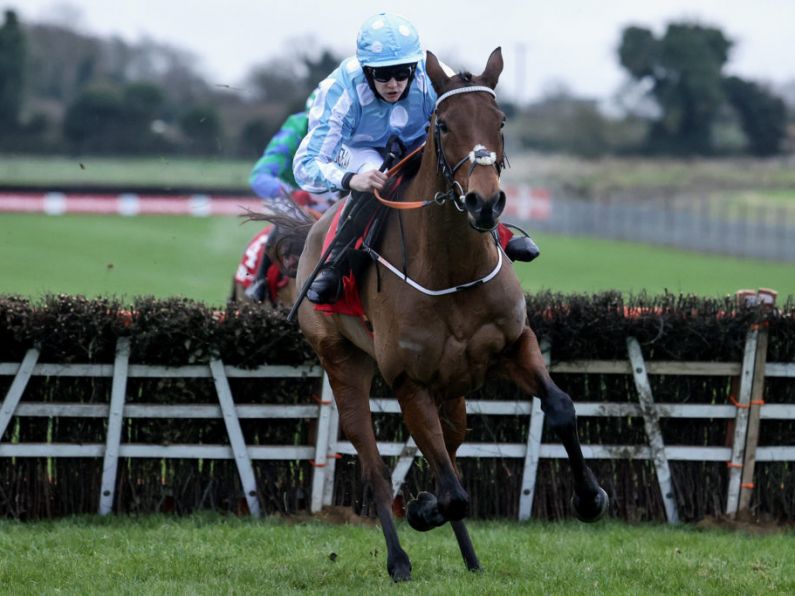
[(544, 43)]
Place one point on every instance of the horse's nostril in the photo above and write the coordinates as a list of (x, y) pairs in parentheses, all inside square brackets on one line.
[(499, 204), (472, 201)]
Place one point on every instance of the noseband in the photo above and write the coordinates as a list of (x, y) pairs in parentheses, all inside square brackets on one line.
[(479, 156)]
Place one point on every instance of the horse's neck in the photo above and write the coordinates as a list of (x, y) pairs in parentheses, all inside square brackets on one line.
[(439, 239)]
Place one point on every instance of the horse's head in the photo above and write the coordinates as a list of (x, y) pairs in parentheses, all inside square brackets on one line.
[(467, 130), (284, 249)]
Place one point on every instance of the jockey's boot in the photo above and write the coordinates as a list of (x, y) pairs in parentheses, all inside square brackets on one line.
[(522, 248), (327, 285)]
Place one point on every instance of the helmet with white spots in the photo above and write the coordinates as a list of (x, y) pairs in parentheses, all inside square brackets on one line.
[(387, 39)]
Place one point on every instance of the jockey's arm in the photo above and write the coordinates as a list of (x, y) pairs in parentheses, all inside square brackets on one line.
[(331, 124), (272, 175)]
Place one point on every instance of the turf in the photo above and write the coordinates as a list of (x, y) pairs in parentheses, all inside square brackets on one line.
[(196, 258), (577, 264), (125, 257), (213, 555)]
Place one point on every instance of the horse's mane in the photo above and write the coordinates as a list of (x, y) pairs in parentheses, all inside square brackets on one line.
[(291, 228)]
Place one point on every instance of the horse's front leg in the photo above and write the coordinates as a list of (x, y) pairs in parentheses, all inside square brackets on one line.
[(525, 366), (453, 415), (451, 503)]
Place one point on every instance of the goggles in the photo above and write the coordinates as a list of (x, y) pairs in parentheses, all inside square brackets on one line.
[(399, 72)]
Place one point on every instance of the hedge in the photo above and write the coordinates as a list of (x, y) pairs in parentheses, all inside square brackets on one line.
[(74, 329)]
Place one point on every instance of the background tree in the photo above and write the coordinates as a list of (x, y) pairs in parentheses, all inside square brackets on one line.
[(289, 81), (762, 114), (93, 122), (255, 136), (111, 120), (684, 68), (12, 70), (318, 68), (203, 130)]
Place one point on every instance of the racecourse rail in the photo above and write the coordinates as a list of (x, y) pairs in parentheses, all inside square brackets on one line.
[(525, 202), (700, 224), (747, 410)]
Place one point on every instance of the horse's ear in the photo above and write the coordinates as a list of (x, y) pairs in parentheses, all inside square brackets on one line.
[(494, 65), (435, 72)]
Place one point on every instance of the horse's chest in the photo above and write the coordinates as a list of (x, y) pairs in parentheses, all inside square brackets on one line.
[(448, 344), (450, 355)]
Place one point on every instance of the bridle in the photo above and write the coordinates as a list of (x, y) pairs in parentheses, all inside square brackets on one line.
[(479, 156)]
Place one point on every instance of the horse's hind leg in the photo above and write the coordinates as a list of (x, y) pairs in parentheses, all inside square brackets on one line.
[(527, 369), (453, 416), (350, 375), (421, 415)]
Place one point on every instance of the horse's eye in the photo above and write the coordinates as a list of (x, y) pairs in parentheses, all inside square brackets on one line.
[(442, 126), (502, 124)]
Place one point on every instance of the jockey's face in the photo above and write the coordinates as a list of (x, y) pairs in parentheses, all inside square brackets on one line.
[(392, 89)]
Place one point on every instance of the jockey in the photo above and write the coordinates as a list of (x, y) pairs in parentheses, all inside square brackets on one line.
[(381, 93), (272, 179)]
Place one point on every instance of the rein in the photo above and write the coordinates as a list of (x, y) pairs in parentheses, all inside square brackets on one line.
[(391, 172), (479, 156)]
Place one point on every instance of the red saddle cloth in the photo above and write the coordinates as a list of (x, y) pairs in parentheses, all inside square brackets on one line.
[(349, 302), (252, 258), (251, 262)]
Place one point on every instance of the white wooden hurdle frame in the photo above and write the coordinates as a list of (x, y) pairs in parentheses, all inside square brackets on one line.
[(740, 457)]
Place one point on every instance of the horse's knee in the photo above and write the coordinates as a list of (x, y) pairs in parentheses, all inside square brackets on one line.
[(558, 410)]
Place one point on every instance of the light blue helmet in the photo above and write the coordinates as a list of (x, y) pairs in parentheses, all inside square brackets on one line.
[(387, 39)]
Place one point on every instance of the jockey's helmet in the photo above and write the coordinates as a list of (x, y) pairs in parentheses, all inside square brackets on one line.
[(387, 39)]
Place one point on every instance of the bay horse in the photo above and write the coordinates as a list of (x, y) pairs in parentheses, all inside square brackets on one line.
[(434, 346)]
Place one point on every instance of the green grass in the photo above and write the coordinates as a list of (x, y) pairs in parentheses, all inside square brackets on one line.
[(196, 258), (125, 257), (572, 264), (213, 555), (162, 172)]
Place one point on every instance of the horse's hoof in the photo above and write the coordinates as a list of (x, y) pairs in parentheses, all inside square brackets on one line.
[(398, 565), (400, 573), (593, 511), (476, 569), (423, 513)]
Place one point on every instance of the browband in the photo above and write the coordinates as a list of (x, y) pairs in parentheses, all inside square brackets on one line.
[(465, 90)]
